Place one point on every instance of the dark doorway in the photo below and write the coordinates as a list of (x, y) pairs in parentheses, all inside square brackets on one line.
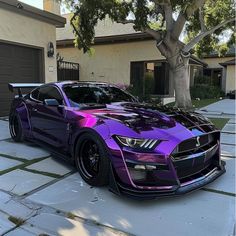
[(137, 78), (161, 75), (213, 76), (150, 78)]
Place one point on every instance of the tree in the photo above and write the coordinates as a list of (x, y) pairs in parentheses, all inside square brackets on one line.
[(203, 21)]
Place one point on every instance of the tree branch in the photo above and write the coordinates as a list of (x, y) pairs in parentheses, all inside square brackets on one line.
[(165, 8), (155, 34), (201, 19), (198, 38), (168, 17), (183, 16)]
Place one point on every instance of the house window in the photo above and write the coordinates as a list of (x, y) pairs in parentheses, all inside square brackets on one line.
[(213, 76), (150, 78)]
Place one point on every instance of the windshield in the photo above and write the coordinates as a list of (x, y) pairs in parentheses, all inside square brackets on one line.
[(82, 95)]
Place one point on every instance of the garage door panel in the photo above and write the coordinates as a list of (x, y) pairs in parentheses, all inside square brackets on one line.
[(6, 60), (6, 68), (6, 51), (6, 73), (17, 65), (16, 79)]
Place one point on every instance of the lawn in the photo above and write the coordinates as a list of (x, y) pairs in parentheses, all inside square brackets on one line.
[(219, 122), (199, 104), (204, 102)]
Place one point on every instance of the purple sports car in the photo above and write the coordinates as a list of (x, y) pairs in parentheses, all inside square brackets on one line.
[(139, 150)]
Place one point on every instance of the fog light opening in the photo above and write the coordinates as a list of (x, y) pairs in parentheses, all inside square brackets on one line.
[(137, 174), (151, 167), (145, 167), (139, 167)]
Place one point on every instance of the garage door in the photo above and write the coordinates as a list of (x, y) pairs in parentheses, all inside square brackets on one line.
[(19, 65)]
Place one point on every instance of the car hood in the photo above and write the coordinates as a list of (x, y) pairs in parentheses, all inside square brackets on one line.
[(137, 118), (146, 120)]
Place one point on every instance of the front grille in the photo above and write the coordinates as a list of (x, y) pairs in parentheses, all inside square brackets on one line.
[(194, 155), (191, 144), (194, 145), (199, 174), (189, 167)]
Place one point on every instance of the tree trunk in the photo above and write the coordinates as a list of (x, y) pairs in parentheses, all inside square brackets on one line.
[(180, 70)]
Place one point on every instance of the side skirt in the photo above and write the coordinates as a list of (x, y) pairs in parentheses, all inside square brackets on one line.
[(65, 156)]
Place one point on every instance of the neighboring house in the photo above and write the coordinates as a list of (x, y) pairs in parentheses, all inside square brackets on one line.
[(25, 35), (221, 70), (122, 56)]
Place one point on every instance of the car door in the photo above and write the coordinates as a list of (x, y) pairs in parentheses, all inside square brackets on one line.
[(49, 123)]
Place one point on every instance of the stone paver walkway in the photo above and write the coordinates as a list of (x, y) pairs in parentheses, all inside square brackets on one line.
[(52, 199)]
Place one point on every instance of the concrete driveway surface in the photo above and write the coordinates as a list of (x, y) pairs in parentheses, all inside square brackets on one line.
[(223, 108), (42, 195)]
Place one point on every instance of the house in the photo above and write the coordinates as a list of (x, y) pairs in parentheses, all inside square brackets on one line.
[(27, 39), (122, 56), (221, 70)]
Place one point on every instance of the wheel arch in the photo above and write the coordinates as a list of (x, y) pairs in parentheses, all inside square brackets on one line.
[(20, 108), (84, 131)]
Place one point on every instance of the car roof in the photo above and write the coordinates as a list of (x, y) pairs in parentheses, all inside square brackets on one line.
[(62, 83)]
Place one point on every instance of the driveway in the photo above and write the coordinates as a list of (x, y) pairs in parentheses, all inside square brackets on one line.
[(225, 108), (44, 195)]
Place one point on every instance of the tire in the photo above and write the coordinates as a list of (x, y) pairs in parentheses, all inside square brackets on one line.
[(15, 128), (86, 155)]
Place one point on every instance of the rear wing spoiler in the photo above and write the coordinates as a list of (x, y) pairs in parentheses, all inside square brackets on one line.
[(19, 86)]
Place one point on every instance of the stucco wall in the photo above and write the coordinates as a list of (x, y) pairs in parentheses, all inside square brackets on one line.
[(111, 63), (21, 29), (230, 78), (214, 62)]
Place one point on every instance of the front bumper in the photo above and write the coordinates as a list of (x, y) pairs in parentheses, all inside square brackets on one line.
[(185, 167), (180, 189)]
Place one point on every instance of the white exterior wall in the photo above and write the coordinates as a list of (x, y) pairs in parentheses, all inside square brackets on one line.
[(111, 62), (20, 29)]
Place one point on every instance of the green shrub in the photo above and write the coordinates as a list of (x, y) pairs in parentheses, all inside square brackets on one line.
[(204, 91), (202, 80)]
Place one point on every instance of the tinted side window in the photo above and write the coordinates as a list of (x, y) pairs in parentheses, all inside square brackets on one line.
[(50, 93), (35, 94)]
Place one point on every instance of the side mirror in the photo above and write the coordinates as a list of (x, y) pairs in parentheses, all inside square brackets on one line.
[(51, 102)]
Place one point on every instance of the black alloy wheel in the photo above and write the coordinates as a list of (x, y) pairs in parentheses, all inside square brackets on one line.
[(92, 160)]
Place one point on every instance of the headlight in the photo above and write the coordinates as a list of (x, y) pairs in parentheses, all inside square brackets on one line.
[(137, 143)]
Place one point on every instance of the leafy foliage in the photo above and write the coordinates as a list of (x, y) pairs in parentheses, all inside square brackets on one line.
[(151, 14), (165, 20), (205, 91), (215, 12)]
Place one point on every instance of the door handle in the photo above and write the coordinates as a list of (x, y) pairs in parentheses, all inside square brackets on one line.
[(35, 110)]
